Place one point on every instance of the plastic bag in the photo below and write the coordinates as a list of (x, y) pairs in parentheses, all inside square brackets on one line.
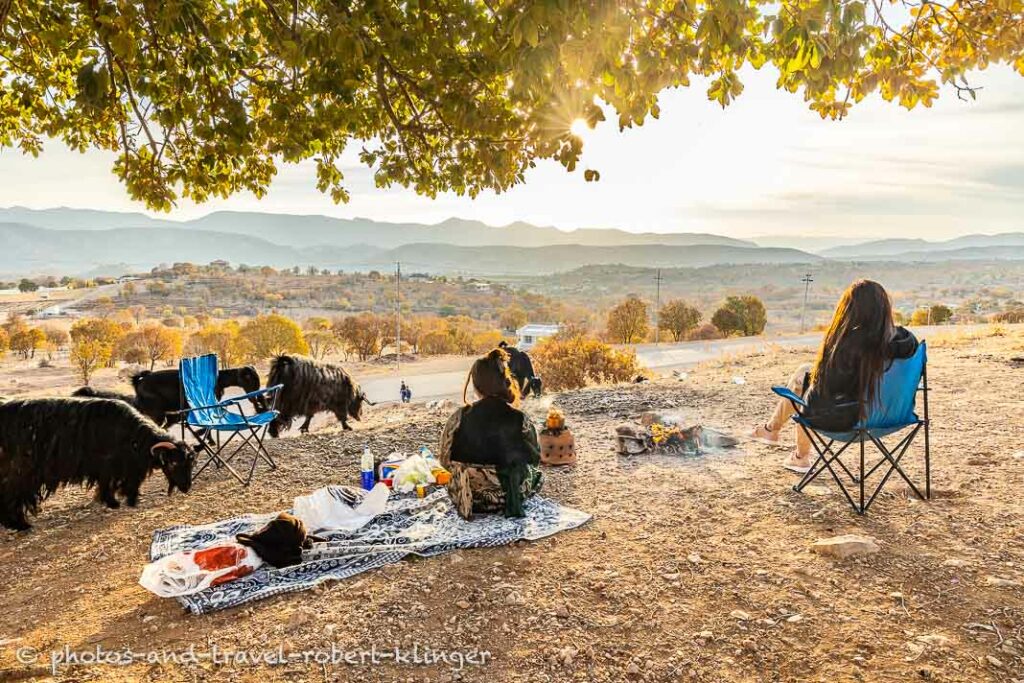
[(323, 510), (189, 572), (414, 470)]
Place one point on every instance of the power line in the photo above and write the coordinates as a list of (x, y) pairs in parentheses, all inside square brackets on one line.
[(807, 280)]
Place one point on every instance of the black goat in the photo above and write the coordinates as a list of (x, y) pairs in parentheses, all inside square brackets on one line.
[(53, 442), (521, 367), (89, 392), (310, 387), (159, 394)]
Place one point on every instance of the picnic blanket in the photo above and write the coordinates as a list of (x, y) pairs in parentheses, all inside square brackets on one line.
[(422, 526)]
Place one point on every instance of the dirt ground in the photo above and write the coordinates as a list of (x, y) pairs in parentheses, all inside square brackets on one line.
[(692, 569)]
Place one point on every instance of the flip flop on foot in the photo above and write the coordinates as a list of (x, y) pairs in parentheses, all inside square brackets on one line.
[(764, 435), (795, 463)]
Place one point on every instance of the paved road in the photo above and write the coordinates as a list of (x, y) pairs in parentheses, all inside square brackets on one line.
[(663, 358)]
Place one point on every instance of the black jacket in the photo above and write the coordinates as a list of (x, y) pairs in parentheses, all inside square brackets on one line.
[(835, 406), (492, 432)]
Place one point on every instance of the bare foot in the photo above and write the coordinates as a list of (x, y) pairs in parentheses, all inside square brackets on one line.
[(764, 435)]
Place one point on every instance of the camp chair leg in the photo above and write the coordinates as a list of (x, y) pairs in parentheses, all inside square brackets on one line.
[(862, 477), (894, 460)]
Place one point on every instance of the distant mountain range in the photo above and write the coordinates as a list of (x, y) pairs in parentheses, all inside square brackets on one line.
[(80, 241), (1006, 245), (29, 249), (313, 230)]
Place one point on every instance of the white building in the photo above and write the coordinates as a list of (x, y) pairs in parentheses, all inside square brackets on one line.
[(528, 335)]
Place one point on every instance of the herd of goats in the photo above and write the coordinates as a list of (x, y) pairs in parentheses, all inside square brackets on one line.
[(113, 441)]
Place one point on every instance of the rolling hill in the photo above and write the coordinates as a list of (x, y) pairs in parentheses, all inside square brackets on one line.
[(33, 250), (315, 230), (917, 249)]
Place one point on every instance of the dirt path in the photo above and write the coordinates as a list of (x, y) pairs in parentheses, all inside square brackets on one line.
[(691, 570)]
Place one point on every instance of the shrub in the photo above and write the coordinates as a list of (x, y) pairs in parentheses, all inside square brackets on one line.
[(704, 332), (742, 315), (579, 361), (1015, 315)]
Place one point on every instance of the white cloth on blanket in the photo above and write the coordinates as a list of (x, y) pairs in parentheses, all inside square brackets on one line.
[(326, 510)]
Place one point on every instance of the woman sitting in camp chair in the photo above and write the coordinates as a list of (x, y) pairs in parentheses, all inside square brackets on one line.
[(491, 446), (838, 387)]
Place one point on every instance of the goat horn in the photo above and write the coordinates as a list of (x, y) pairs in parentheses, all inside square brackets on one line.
[(368, 401), (161, 446)]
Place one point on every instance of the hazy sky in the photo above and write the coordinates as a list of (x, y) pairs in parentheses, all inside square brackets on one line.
[(765, 165)]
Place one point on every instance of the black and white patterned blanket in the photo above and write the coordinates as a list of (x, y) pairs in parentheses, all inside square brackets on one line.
[(423, 526)]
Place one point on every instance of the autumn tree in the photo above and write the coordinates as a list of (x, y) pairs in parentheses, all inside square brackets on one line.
[(87, 356), (512, 317), (271, 335), (150, 344), (579, 360), (5, 342), (321, 342), (182, 91), (222, 339), (627, 322), (25, 341), (361, 334), (679, 318), (742, 315)]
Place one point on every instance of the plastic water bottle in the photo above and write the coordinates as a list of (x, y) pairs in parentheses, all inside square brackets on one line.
[(366, 469)]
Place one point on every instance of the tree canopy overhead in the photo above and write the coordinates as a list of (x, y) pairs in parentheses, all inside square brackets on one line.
[(203, 98)]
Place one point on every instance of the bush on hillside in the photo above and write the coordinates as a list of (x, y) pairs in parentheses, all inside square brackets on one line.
[(571, 363)]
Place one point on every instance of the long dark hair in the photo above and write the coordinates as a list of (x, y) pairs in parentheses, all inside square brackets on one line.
[(860, 332), (491, 377)]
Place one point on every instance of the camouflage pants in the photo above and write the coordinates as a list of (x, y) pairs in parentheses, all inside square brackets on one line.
[(478, 489)]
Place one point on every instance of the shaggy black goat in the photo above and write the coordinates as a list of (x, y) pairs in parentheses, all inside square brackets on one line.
[(52, 442), (310, 387), (158, 393), (89, 392)]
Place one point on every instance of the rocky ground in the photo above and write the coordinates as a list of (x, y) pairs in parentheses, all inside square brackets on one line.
[(693, 569)]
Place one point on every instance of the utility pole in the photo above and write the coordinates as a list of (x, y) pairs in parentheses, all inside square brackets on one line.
[(807, 280), (657, 309), (398, 316)]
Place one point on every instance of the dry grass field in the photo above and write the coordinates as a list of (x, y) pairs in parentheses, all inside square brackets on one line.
[(692, 569)]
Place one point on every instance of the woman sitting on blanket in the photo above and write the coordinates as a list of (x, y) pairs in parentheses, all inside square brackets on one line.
[(839, 387), (491, 446)]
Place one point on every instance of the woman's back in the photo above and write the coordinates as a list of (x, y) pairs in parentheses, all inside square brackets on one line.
[(492, 432)]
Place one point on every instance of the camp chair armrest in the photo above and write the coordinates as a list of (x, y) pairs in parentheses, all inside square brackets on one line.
[(789, 394), (253, 394)]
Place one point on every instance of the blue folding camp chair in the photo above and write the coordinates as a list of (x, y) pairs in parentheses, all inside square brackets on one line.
[(892, 411), (207, 418)]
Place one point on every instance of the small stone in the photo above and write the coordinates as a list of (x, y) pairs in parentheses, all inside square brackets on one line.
[(935, 639), (955, 562), (795, 619), (674, 576), (566, 655), (562, 612), (694, 558), (1000, 582), (633, 669), (514, 598), (704, 635), (846, 546), (994, 661), (739, 615), (462, 604)]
